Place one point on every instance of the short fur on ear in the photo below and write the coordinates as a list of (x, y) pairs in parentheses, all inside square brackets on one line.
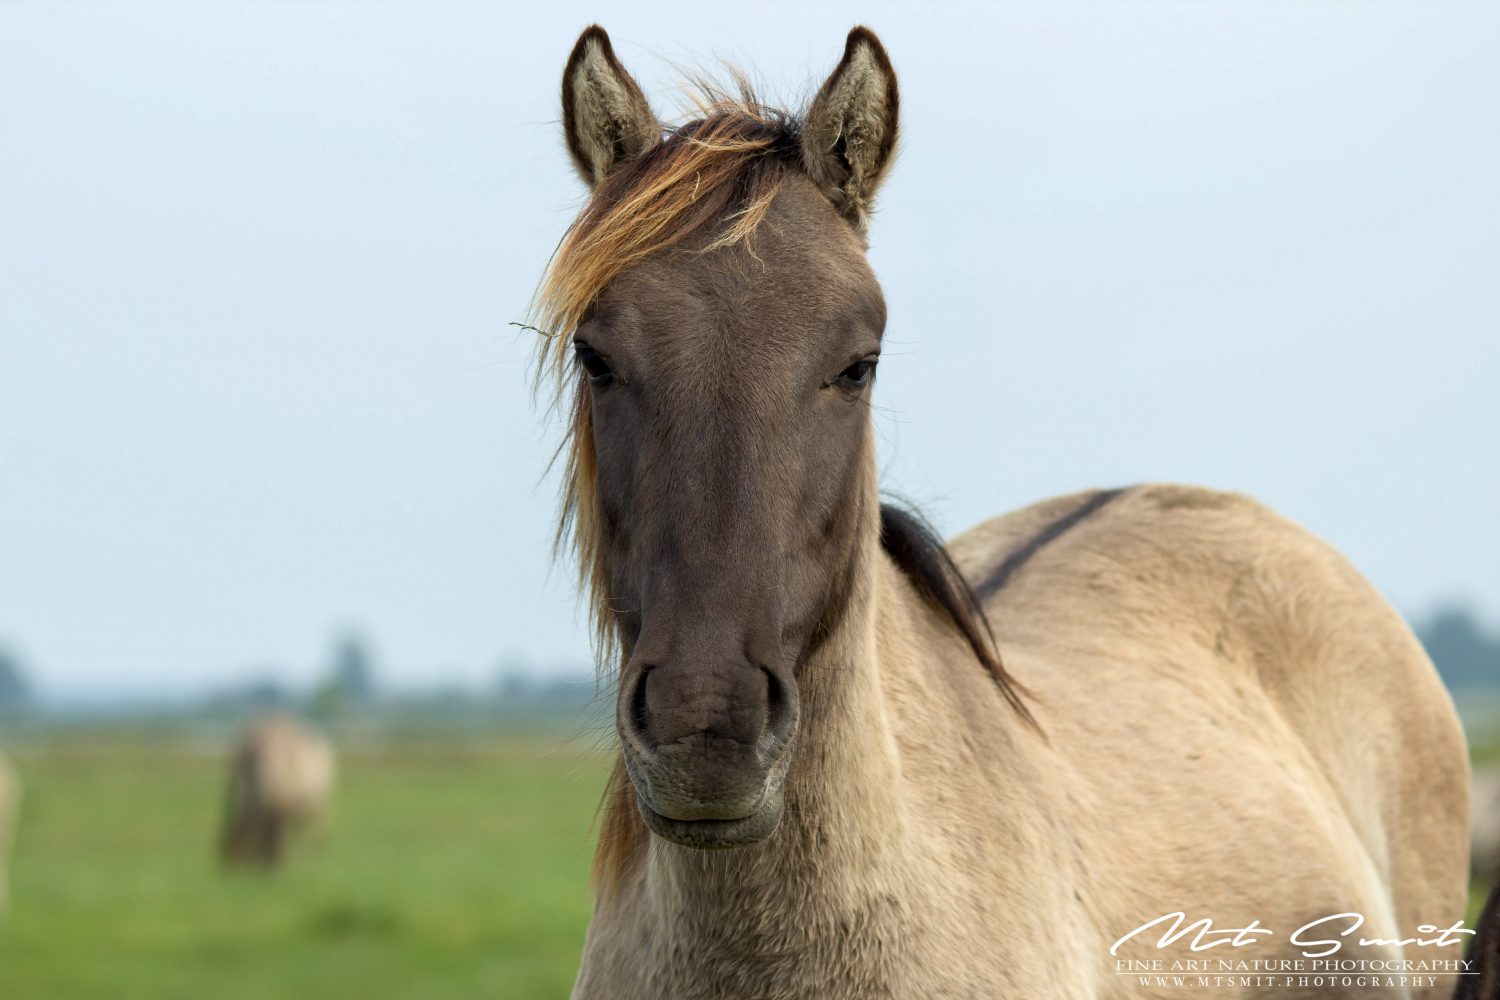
[(849, 134), (605, 116)]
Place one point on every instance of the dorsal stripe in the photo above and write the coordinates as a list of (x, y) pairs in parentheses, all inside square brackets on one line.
[(997, 580)]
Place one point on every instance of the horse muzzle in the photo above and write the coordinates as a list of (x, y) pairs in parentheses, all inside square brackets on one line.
[(707, 751)]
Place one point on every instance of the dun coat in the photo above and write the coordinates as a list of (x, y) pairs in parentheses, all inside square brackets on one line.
[(856, 763)]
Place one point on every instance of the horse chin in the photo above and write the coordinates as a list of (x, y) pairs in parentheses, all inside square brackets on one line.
[(715, 834)]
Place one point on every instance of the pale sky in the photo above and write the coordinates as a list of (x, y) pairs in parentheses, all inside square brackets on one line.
[(257, 265)]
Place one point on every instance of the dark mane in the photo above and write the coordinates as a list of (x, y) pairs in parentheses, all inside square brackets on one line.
[(918, 551)]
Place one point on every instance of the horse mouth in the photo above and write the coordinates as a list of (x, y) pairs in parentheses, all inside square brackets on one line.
[(715, 834)]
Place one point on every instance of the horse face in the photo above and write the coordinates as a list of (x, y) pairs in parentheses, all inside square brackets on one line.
[(729, 394)]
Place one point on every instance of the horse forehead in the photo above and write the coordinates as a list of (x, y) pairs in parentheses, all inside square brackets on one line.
[(694, 322), (756, 302)]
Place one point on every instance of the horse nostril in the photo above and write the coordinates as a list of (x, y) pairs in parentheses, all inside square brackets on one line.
[(780, 711), (637, 717)]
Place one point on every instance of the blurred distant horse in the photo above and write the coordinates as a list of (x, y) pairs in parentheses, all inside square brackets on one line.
[(10, 809), (281, 777), (1485, 841)]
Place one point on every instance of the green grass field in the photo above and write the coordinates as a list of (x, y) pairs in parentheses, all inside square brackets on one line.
[(447, 871)]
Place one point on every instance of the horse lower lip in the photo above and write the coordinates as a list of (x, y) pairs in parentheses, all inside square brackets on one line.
[(726, 820), (704, 822), (708, 814), (711, 834)]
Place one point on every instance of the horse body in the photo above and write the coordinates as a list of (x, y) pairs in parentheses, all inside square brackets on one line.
[(1236, 727), (281, 777), (10, 811), (830, 785)]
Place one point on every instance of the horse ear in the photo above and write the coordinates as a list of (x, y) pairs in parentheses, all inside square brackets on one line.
[(849, 135), (605, 116)]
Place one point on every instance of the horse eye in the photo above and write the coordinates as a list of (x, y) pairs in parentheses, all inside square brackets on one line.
[(593, 364), (857, 374)]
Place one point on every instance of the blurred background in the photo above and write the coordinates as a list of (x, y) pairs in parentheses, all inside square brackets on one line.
[(267, 439)]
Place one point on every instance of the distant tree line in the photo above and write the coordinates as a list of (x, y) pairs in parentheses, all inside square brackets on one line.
[(15, 692), (351, 687), (1465, 649), (522, 693), (1466, 653)]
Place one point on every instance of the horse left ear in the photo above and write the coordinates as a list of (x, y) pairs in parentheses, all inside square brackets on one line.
[(849, 135), (605, 116)]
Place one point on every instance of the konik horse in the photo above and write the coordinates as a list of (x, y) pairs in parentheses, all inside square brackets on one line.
[(858, 763), (280, 778)]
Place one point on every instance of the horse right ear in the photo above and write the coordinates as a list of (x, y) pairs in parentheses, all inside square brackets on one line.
[(605, 116), (849, 135)]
